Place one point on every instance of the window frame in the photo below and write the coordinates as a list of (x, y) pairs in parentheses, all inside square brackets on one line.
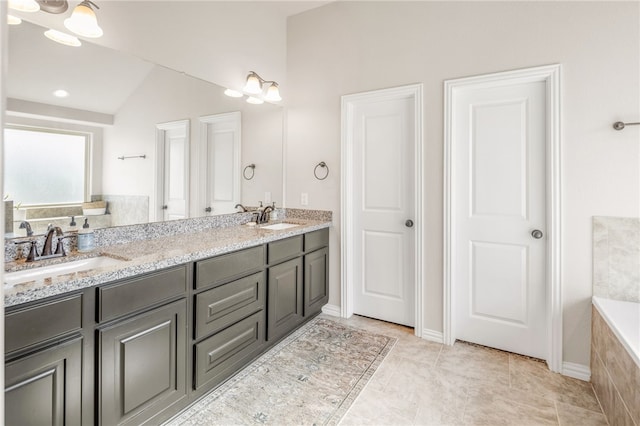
[(88, 163)]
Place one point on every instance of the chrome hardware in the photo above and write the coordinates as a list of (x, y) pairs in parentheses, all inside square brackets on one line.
[(409, 223), (537, 234)]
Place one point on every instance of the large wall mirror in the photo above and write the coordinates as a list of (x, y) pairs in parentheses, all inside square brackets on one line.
[(180, 137)]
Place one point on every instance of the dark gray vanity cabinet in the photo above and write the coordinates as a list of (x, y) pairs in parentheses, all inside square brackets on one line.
[(43, 373), (229, 305), (285, 287), (142, 363), (316, 271)]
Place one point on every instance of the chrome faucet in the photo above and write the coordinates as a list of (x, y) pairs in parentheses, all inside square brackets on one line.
[(26, 225), (48, 242)]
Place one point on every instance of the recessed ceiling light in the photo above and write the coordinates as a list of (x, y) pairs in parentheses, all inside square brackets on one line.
[(62, 38), (13, 20), (233, 93), (60, 93), (254, 101)]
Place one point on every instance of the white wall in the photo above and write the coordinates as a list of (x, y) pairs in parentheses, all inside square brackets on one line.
[(350, 47), (169, 96)]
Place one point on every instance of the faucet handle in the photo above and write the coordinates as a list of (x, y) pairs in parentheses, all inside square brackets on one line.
[(33, 251)]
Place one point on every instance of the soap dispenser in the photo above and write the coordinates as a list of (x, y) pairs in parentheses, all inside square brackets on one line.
[(86, 238)]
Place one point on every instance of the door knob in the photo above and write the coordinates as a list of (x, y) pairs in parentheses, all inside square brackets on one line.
[(537, 234), (165, 207), (208, 210), (409, 223)]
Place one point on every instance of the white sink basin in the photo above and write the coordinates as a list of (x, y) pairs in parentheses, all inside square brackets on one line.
[(280, 226), (11, 278)]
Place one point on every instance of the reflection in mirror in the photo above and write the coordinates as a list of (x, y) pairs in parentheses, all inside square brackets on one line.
[(122, 105)]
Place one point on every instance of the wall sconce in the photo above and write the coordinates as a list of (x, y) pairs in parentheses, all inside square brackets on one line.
[(254, 88), (83, 20)]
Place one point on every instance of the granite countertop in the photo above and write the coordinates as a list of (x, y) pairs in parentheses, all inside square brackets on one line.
[(141, 257)]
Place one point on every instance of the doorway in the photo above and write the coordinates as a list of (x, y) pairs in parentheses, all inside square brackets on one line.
[(502, 212), (382, 205), (173, 170)]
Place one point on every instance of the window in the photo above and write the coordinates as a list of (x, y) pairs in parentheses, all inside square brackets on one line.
[(43, 167)]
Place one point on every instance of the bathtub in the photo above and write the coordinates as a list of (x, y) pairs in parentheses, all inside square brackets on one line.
[(623, 318), (615, 359)]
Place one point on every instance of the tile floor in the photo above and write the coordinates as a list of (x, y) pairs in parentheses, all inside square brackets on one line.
[(426, 383)]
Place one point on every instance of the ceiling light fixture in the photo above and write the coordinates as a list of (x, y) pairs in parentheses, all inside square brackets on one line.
[(83, 20), (62, 38), (255, 101), (24, 5), (254, 84), (13, 20), (60, 93), (233, 93)]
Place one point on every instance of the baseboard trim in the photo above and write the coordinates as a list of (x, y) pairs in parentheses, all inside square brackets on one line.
[(577, 371), (332, 310), (432, 335)]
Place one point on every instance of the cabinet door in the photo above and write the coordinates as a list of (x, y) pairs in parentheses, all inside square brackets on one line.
[(316, 286), (142, 367), (45, 388), (285, 298)]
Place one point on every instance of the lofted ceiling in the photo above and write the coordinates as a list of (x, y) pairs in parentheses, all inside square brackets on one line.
[(217, 41)]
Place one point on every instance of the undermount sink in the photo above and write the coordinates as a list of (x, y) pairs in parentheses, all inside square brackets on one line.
[(25, 275), (280, 226)]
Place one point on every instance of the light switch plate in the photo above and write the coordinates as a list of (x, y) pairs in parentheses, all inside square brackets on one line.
[(304, 199)]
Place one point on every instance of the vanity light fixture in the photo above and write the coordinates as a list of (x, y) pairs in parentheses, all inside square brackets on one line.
[(254, 84), (62, 38), (24, 5), (13, 20), (83, 20)]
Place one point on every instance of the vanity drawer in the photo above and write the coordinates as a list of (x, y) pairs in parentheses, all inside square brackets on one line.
[(221, 355), (135, 294), (316, 239), (41, 322), (226, 304), (223, 268), (284, 249)]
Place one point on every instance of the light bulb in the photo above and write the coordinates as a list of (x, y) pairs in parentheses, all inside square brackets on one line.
[(253, 86), (62, 38), (273, 93), (83, 21)]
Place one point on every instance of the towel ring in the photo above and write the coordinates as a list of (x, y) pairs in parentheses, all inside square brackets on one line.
[(253, 171), (324, 166)]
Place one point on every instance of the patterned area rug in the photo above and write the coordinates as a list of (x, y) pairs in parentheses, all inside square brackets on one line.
[(310, 378)]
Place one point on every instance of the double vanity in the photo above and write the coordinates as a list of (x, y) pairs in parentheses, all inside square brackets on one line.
[(153, 324)]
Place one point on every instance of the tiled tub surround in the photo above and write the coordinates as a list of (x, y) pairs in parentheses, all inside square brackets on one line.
[(615, 359), (616, 258), (150, 247)]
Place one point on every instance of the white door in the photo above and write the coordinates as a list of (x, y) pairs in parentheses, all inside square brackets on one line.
[(383, 132), (221, 136), (173, 154), (499, 263)]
